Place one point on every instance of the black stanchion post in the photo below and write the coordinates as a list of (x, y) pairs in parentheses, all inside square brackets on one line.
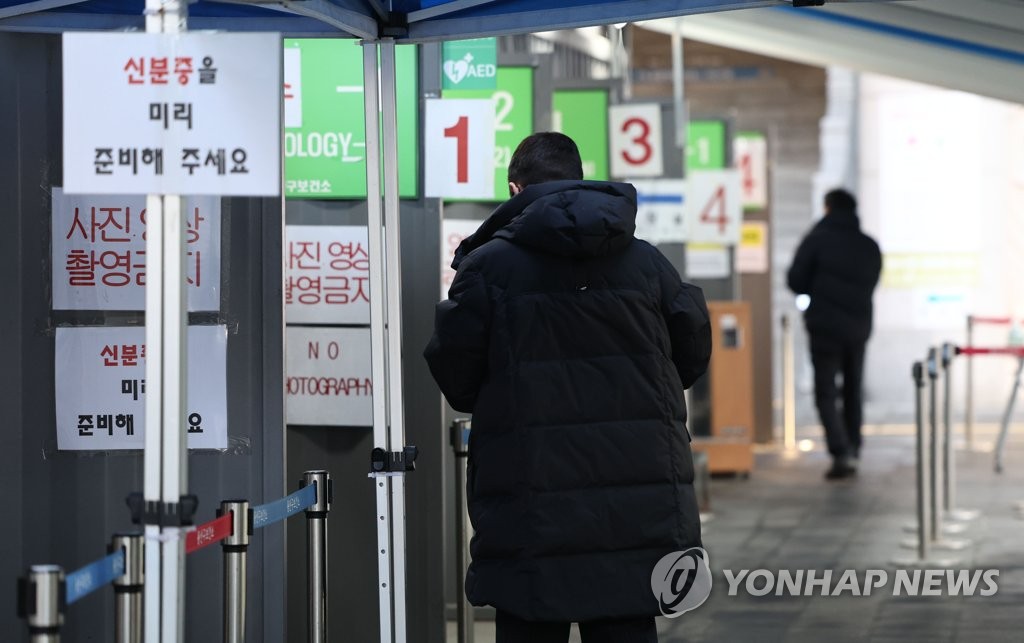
[(235, 548), (128, 607), (316, 553), (460, 443), (41, 597)]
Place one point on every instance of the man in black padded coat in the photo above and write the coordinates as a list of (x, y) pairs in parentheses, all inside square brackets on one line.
[(571, 342), (838, 266)]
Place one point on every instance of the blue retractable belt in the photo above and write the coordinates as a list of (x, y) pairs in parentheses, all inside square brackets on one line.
[(94, 576), (277, 510)]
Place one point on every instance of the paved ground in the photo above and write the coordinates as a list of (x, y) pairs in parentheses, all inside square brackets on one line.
[(786, 517)]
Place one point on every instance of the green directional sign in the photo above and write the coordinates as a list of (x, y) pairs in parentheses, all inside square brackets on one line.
[(513, 117), (705, 145), (324, 128), (469, 64), (582, 115)]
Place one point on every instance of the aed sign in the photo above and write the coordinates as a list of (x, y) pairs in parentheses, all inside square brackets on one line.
[(634, 133), (469, 64), (190, 113)]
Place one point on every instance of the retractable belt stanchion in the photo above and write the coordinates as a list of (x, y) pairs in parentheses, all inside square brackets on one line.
[(128, 615), (235, 548), (41, 600), (316, 553), (1004, 428), (460, 443), (938, 528), (949, 352), (788, 386), (923, 474), (969, 402)]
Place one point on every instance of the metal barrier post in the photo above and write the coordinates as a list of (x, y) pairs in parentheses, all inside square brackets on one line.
[(459, 438), (128, 613), (948, 446), (316, 553), (235, 548), (935, 480), (788, 386), (969, 405), (41, 602), (923, 473)]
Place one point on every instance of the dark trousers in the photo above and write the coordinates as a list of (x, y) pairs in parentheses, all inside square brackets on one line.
[(830, 358), (511, 629)]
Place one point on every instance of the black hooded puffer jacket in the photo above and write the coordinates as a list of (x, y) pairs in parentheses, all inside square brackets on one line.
[(571, 342)]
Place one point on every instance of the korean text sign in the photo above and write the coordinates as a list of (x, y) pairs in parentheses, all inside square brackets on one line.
[(328, 275), (99, 252), (325, 130), (329, 380), (101, 388), (192, 113)]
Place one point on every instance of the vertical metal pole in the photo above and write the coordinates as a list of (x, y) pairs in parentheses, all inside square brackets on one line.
[(235, 548), (935, 480), (316, 553), (788, 386), (128, 616), (948, 454), (41, 602), (166, 368), (378, 321), (1004, 426), (459, 438), (923, 499), (969, 404), (393, 278), (678, 84)]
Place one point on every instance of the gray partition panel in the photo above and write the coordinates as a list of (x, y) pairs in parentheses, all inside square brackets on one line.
[(63, 506)]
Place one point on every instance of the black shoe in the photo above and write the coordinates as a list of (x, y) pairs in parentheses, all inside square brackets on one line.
[(840, 469)]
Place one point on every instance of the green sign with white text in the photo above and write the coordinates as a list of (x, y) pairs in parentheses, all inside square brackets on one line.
[(513, 118), (582, 115), (705, 145), (324, 127), (469, 64)]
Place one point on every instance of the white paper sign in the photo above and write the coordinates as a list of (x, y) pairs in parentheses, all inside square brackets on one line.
[(707, 261), (99, 254), (191, 113), (661, 212), (714, 206), (453, 231), (329, 378), (634, 135), (328, 275), (458, 142), (752, 253), (101, 386), (292, 87), (751, 154)]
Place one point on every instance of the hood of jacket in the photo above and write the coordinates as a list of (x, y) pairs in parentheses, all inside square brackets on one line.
[(576, 219)]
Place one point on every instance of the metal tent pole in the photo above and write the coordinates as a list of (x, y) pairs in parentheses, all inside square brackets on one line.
[(166, 463), (393, 279), (371, 106)]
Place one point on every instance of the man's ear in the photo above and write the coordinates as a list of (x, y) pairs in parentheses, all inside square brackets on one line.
[(513, 189)]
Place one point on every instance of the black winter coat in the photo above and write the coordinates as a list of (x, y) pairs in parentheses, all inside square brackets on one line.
[(571, 341), (838, 266)]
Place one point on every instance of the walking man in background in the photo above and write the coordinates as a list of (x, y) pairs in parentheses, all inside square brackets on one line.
[(838, 266), (571, 342)]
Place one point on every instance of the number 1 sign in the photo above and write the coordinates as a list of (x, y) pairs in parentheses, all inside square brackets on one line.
[(459, 148)]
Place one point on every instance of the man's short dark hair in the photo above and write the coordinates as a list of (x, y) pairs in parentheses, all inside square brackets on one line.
[(840, 200), (545, 156)]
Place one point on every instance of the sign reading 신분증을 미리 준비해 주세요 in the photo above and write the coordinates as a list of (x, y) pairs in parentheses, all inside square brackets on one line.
[(101, 388), (187, 113), (99, 251)]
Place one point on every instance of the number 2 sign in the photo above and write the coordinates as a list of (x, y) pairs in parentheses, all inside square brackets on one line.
[(459, 148), (635, 137)]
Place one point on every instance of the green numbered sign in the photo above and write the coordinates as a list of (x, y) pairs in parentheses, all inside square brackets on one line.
[(324, 127), (705, 145), (513, 118), (582, 115)]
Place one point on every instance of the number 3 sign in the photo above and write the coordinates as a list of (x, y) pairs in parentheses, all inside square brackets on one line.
[(635, 137), (459, 148)]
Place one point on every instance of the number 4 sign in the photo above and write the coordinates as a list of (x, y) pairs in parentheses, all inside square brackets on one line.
[(714, 206), (459, 148)]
